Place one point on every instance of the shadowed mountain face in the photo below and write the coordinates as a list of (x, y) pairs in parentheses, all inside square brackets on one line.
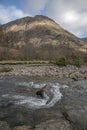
[(37, 37), (84, 39)]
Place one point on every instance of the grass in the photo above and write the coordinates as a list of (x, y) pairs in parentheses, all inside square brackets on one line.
[(73, 59), (14, 62)]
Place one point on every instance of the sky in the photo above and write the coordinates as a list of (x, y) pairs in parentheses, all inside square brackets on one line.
[(70, 14)]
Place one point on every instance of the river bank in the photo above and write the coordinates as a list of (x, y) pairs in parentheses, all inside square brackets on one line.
[(69, 71)]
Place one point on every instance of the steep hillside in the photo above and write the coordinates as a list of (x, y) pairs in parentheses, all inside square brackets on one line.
[(39, 37), (84, 39)]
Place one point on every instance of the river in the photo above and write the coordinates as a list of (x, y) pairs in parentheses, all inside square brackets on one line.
[(20, 105)]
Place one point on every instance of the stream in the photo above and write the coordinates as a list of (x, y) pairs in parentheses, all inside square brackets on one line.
[(20, 104)]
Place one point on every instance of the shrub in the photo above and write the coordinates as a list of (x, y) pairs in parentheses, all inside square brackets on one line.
[(85, 59), (76, 60), (61, 61)]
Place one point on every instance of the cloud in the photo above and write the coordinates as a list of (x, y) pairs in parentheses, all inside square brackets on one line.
[(35, 6), (72, 15), (10, 13)]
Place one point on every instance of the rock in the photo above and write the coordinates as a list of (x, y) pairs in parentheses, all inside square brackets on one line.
[(68, 71), (59, 124), (54, 125), (74, 103), (5, 103), (4, 126), (40, 93), (6, 69), (47, 90), (73, 108), (44, 91), (22, 128)]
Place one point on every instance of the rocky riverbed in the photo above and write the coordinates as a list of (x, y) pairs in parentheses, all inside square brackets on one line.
[(69, 71), (62, 104)]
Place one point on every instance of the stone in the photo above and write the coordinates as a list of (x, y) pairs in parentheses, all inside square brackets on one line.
[(45, 90), (22, 128), (74, 103), (4, 126), (54, 125), (40, 93)]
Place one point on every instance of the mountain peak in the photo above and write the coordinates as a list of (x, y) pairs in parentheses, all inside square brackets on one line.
[(40, 37)]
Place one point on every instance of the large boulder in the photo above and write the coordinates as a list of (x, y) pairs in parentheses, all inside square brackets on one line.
[(43, 92)]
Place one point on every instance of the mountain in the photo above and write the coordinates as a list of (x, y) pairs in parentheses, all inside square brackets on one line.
[(84, 39), (37, 37)]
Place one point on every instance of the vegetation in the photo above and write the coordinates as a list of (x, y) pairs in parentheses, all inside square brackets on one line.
[(76, 60), (14, 62), (61, 61), (48, 53), (73, 59), (85, 59)]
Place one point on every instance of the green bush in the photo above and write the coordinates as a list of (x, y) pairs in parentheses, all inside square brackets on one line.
[(76, 60), (85, 59), (61, 61)]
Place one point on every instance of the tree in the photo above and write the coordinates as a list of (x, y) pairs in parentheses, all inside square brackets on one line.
[(28, 52), (1, 34)]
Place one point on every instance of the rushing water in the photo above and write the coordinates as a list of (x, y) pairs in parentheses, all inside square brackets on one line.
[(21, 98), (19, 104), (37, 102)]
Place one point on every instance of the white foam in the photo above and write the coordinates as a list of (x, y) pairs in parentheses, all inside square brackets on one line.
[(57, 95), (39, 85), (5, 95), (30, 84), (34, 102), (40, 103), (65, 86), (25, 84)]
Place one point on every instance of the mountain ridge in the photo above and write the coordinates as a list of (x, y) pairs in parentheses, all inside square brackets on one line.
[(84, 39), (41, 35)]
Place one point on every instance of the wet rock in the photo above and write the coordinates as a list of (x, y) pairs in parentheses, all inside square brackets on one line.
[(46, 90), (4, 126), (58, 124), (54, 125), (40, 93), (5, 103), (73, 109), (22, 128), (74, 103)]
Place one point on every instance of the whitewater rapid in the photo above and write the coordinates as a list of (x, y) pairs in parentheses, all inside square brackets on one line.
[(35, 102)]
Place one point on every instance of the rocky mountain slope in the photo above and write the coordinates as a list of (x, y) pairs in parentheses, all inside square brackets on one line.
[(84, 39), (37, 37)]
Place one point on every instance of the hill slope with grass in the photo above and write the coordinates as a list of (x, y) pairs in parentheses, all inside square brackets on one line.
[(38, 38)]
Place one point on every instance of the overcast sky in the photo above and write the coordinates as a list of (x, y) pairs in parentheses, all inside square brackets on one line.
[(70, 14)]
